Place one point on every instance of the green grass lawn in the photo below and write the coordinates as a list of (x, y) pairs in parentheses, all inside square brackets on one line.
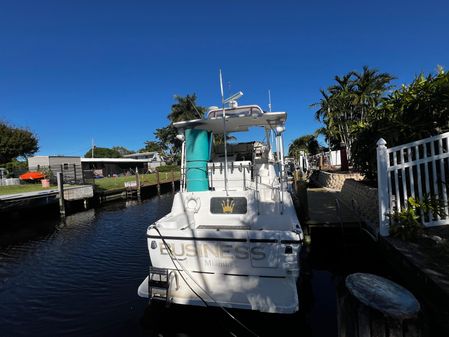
[(146, 179), (103, 183), (15, 189)]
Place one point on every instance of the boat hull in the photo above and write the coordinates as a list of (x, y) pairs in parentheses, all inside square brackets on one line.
[(259, 293), (244, 269)]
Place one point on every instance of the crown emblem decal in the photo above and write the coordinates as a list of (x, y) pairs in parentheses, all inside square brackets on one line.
[(228, 206)]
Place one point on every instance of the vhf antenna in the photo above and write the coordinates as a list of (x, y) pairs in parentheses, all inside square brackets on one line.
[(269, 100), (224, 135)]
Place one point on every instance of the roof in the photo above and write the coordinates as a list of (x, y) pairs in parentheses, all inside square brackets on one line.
[(138, 154), (113, 160), (239, 119), (55, 156)]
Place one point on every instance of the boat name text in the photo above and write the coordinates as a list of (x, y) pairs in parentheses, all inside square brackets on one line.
[(222, 250)]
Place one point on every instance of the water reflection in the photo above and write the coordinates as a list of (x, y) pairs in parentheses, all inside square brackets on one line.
[(79, 277)]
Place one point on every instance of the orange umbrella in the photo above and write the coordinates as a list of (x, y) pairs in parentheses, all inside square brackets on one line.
[(31, 176)]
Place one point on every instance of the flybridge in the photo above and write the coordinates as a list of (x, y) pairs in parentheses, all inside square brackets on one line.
[(237, 119), (243, 111)]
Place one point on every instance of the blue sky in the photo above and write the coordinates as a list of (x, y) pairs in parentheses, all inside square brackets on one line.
[(76, 70)]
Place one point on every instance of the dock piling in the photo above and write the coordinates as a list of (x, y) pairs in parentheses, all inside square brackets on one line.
[(374, 306), (60, 179), (158, 180), (172, 181), (138, 182)]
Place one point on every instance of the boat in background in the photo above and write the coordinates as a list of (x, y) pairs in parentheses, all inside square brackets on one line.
[(232, 238)]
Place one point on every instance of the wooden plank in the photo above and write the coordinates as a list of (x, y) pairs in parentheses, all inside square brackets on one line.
[(395, 328), (363, 321)]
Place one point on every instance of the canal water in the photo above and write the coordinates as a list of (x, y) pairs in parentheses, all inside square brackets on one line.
[(79, 277)]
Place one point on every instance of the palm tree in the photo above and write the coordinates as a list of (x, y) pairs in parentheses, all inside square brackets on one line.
[(185, 108), (370, 86), (350, 103)]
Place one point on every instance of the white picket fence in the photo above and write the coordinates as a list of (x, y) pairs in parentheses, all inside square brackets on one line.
[(419, 169)]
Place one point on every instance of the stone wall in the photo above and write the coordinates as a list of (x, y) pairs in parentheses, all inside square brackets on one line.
[(363, 199), (333, 181)]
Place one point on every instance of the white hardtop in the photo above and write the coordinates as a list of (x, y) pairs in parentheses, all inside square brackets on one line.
[(237, 119)]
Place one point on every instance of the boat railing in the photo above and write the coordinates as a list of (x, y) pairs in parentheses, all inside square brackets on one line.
[(241, 177)]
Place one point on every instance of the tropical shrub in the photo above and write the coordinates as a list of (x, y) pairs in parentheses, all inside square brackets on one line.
[(410, 113), (406, 224)]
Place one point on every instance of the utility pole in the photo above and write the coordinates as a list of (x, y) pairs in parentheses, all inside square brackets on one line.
[(93, 146)]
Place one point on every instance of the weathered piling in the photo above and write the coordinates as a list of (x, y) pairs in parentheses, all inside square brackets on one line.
[(158, 183), (374, 306), (300, 196), (60, 179), (138, 183), (172, 181)]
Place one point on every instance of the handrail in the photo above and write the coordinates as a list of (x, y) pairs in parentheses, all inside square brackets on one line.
[(245, 181)]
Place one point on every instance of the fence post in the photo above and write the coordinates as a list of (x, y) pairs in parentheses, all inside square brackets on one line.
[(382, 187), (74, 173)]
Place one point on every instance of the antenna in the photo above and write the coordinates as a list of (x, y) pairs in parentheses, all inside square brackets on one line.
[(224, 135), (269, 100), (194, 106), (234, 97)]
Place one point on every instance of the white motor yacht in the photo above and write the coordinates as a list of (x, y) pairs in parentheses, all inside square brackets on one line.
[(232, 238)]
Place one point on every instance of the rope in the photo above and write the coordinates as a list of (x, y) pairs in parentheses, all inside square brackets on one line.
[(173, 258)]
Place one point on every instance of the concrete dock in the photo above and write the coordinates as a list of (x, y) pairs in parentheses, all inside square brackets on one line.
[(326, 209), (41, 198)]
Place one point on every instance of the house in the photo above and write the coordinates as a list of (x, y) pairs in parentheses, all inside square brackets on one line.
[(70, 166), (75, 168), (154, 159), (108, 167)]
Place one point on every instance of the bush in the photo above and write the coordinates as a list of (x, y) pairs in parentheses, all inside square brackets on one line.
[(406, 224), (168, 168)]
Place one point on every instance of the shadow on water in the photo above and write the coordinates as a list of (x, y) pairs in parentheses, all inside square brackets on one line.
[(17, 227), (79, 277), (180, 320), (325, 264)]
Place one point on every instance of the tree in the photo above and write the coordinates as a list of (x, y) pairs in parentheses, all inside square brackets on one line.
[(16, 142), (168, 142), (351, 103), (102, 152), (409, 113), (307, 143), (185, 108), (122, 150), (151, 146)]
